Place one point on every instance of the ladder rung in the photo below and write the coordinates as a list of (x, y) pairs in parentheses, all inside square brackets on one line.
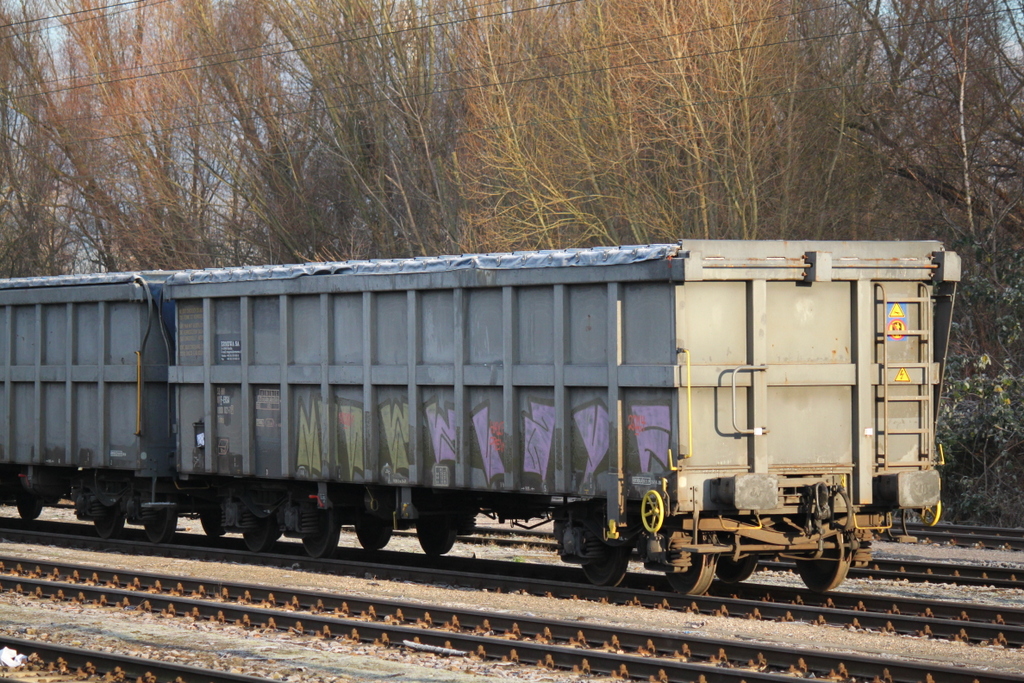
[(894, 432), (910, 300), (909, 399), (906, 333)]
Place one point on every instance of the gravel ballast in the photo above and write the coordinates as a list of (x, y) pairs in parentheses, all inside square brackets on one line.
[(290, 657)]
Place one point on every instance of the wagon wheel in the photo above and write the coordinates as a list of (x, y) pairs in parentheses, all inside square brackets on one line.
[(372, 531), (324, 542), (111, 524), (211, 521), (436, 534), (829, 571), (697, 578), (735, 571), (29, 507), (465, 525), (611, 569), (161, 526), (262, 538)]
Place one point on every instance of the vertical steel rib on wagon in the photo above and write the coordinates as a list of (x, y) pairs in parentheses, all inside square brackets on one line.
[(704, 402)]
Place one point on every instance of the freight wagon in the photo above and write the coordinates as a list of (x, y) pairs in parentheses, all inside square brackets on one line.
[(84, 399), (703, 403)]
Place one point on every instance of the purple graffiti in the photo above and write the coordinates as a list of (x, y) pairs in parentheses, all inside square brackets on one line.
[(441, 422), (652, 427), (592, 422), (490, 437), (538, 433)]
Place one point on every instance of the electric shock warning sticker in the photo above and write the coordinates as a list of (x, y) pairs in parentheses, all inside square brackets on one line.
[(896, 322), (903, 375)]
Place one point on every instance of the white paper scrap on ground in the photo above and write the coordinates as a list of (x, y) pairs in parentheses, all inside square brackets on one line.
[(11, 659)]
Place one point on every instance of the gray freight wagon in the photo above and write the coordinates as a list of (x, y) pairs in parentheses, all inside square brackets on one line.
[(705, 402), (84, 401)]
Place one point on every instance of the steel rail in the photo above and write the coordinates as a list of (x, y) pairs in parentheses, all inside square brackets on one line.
[(569, 645), (971, 613), (102, 663), (929, 572), (996, 538)]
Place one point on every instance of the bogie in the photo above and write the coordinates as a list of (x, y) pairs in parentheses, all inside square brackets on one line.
[(735, 571), (110, 525), (610, 569), (697, 577), (436, 534), (372, 532), (262, 535), (160, 524), (29, 507), (323, 542)]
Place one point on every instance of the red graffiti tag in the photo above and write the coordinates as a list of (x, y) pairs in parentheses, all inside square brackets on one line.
[(497, 439), (637, 423)]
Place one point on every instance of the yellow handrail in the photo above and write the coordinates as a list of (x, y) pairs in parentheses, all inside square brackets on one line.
[(884, 527), (689, 408), (138, 393), (740, 526)]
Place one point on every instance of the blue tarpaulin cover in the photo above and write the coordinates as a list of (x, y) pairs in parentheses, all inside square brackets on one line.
[(597, 256)]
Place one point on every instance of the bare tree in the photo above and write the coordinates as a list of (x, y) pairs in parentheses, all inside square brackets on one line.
[(34, 236), (385, 115)]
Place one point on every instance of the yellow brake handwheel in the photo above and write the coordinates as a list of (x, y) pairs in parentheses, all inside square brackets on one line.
[(932, 515), (652, 511)]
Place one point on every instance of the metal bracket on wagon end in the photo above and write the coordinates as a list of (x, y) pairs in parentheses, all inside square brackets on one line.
[(749, 491), (819, 266), (947, 266), (913, 489), (693, 268), (406, 508)]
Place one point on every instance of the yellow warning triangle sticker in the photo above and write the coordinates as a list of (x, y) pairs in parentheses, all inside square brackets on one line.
[(902, 375), (897, 312)]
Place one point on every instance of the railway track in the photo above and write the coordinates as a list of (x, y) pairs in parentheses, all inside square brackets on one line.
[(584, 648), (55, 663), (970, 536), (963, 622)]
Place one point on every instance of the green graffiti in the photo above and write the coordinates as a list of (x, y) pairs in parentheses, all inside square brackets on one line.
[(350, 436), (309, 449), (394, 419)]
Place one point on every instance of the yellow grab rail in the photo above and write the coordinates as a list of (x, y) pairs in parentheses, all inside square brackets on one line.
[(689, 408), (138, 393)]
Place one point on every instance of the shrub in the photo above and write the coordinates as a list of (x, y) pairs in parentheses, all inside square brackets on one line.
[(981, 422)]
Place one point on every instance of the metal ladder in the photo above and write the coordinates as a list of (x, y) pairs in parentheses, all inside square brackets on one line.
[(891, 370)]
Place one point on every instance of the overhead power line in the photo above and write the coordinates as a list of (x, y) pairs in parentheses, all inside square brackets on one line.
[(442, 74), (581, 72), (204, 61), (80, 17)]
